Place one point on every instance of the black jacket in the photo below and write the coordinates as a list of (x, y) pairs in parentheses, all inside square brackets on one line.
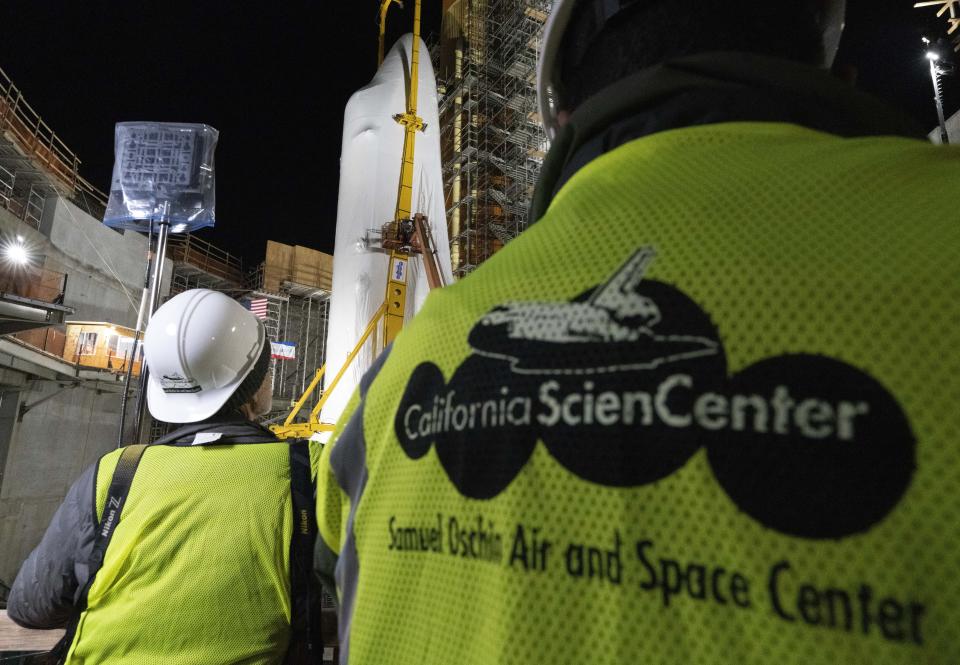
[(709, 88), (46, 590)]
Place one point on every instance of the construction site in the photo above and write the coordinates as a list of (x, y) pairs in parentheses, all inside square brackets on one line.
[(441, 149), (72, 290), (492, 140)]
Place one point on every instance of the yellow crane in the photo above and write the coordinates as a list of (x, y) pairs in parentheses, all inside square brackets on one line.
[(396, 295), (384, 7), (406, 235)]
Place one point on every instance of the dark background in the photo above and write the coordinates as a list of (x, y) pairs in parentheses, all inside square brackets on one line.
[(274, 79)]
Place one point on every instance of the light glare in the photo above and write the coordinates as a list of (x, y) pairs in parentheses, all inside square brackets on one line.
[(16, 253)]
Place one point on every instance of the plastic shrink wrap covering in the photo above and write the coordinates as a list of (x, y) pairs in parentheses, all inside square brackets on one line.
[(163, 165), (369, 178)]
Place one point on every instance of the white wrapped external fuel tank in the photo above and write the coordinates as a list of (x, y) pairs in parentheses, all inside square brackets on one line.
[(369, 179)]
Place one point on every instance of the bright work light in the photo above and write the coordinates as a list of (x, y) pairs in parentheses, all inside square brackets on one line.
[(16, 253)]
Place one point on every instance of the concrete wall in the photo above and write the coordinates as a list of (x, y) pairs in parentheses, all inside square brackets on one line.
[(49, 449), (105, 268), (98, 260), (55, 441), (9, 403)]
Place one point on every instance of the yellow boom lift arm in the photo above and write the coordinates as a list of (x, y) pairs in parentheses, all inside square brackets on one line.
[(406, 235)]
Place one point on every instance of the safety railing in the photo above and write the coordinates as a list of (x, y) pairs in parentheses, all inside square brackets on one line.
[(253, 280), (207, 257), (88, 345), (26, 206), (277, 279), (21, 124), (89, 198)]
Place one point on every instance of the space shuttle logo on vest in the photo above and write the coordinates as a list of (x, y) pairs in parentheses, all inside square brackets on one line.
[(627, 381), (546, 337)]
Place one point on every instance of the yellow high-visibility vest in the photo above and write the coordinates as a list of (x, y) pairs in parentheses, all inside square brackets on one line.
[(704, 411), (198, 570)]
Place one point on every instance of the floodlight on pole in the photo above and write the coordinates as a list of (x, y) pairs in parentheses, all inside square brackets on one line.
[(934, 56), (163, 183)]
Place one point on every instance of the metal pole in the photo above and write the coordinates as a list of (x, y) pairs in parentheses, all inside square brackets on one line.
[(126, 387), (159, 257), (303, 381), (136, 340), (320, 347), (938, 98), (286, 336)]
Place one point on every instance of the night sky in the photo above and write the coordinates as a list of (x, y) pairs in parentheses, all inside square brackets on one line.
[(274, 78)]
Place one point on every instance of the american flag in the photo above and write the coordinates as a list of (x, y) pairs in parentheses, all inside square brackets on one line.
[(258, 307)]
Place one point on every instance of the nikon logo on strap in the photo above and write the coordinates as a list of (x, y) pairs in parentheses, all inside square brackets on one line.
[(109, 521)]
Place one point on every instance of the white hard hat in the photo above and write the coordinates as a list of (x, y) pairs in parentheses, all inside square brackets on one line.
[(548, 74), (199, 347)]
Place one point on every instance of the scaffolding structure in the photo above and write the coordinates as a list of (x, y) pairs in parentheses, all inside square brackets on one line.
[(294, 312), (304, 323), (35, 164), (492, 141)]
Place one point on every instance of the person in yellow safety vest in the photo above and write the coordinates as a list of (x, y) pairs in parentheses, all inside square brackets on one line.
[(703, 410), (198, 548)]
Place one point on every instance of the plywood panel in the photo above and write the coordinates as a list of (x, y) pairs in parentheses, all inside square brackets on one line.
[(31, 282), (278, 254), (36, 337), (276, 266), (15, 638), (82, 348), (298, 264), (312, 268), (50, 340)]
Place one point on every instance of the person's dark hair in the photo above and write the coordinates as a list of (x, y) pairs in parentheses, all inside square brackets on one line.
[(652, 31), (249, 386)]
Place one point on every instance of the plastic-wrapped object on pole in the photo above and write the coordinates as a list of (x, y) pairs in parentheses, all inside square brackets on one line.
[(369, 178), (162, 167)]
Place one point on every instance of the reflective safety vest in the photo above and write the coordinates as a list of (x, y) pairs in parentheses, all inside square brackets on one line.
[(198, 568), (704, 411)]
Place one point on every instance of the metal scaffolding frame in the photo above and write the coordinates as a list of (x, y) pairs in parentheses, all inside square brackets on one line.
[(35, 163), (305, 324), (492, 142), (297, 314)]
